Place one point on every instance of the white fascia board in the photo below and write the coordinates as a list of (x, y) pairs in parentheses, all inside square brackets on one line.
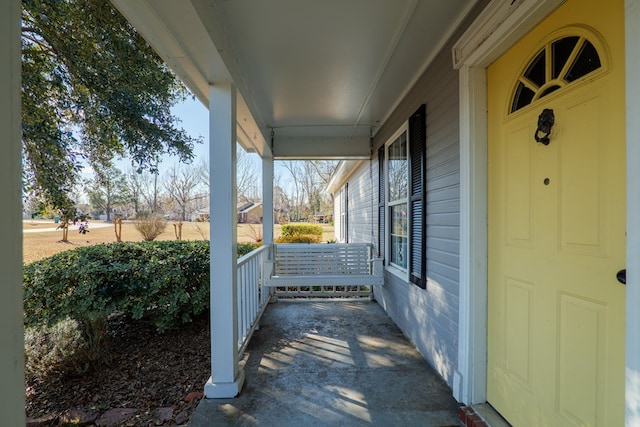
[(249, 134), (321, 148), (499, 25), (345, 169)]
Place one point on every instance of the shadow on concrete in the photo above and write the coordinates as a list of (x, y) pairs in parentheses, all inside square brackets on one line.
[(334, 363)]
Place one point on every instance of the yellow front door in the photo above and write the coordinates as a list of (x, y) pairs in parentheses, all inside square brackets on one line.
[(556, 222)]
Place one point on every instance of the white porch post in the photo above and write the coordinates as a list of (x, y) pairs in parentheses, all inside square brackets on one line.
[(11, 333), (226, 378), (632, 54), (470, 379), (267, 200)]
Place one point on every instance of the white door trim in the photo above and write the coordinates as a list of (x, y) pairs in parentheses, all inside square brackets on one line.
[(632, 88), (497, 28)]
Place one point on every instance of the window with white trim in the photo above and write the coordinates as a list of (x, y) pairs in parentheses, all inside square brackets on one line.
[(401, 197), (397, 207)]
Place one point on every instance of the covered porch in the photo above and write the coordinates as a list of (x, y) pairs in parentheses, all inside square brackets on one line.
[(332, 363), (337, 87), (308, 80), (311, 353)]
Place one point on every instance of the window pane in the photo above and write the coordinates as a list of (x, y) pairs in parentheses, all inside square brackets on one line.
[(549, 90), (586, 62), (561, 50), (523, 97), (536, 70), (398, 168), (398, 238)]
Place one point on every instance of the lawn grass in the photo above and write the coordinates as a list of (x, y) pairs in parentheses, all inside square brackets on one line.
[(40, 245)]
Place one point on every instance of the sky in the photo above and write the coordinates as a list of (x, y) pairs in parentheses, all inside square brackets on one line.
[(194, 119)]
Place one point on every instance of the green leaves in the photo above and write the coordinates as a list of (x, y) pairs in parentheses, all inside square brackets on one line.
[(92, 89), (165, 281), (300, 233)]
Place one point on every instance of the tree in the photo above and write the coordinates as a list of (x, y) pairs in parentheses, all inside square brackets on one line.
[(325, 170), (92, 89), (182, 185), (296, 196), (309, 178), (109, 190), (136, 188), (247, 176)]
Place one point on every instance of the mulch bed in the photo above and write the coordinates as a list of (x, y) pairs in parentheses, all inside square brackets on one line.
[(148, 379)]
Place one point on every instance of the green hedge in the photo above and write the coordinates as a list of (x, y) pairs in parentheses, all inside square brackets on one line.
[(291, 230), (69, 297), (165, 281), (245, 248), (299, 238), (300, 233)]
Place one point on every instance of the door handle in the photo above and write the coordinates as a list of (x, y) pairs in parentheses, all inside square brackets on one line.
[(622, 276)]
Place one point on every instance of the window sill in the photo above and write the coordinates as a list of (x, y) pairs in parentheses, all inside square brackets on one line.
[(399, 273)]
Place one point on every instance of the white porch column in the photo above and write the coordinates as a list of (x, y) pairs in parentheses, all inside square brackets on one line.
[(226, 378), (632, 54), (267, 200), (11, 333), (470, 379)]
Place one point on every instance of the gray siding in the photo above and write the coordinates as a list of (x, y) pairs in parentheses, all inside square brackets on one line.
[(428, 317), (361, 205)]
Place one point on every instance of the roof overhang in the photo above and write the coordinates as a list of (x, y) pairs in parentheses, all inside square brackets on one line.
[(315, 79)]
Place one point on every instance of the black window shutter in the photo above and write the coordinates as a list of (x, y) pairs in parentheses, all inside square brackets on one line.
[(381, 201), (417, 180)]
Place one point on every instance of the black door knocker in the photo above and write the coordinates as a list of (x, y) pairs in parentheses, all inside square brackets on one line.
[(545, 123)]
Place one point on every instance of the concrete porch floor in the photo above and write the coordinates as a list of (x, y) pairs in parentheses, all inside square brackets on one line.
[(334, 363)]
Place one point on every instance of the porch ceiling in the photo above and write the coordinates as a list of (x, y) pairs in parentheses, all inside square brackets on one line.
[(321, 74)]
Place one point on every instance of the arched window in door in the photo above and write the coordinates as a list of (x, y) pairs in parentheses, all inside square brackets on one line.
[(558, 63)]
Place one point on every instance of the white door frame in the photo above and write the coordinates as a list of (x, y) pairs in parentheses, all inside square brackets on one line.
[(495, 30), (632, 89)]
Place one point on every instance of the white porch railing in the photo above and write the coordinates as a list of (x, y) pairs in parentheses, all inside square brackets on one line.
[(252, 296)]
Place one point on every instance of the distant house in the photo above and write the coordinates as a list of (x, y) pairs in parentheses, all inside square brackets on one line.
[(322, 218), (201, 215), (249, 213)]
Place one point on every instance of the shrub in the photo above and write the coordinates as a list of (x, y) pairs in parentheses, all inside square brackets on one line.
[(290, 230), (255, 233), (245, 248), (53, 349), (299, 238), (166, 281), (69, 297), (150, 226)]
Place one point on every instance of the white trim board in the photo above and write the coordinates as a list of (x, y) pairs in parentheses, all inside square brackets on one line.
[(632, 87)]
